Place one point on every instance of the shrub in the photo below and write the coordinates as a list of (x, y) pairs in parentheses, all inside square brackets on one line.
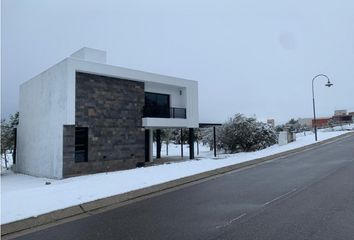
[(8, 135), (241, 133)]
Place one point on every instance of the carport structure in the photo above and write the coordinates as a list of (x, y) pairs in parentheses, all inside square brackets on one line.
[(191, 140)]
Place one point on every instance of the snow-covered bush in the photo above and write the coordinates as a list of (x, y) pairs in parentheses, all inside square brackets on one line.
[(176, 136), (207, 136), (241, 133), (8, 137)]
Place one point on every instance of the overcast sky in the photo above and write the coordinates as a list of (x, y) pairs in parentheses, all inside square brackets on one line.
[(251, 57)]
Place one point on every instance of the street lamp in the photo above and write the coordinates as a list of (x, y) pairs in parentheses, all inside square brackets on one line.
[(328, 84)]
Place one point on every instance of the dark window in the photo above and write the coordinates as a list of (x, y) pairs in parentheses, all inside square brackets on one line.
[(81, 144), (157, 105)]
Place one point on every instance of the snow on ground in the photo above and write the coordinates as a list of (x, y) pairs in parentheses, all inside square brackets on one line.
[(9, 163), (23, 196), (175, 150), (339, 128)]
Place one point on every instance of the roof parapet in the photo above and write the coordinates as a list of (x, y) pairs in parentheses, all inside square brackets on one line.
[(90, 55)]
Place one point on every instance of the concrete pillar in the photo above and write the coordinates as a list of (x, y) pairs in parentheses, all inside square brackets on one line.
[(148, 145), (182, 142), (151, 138), (191, 143), (214, 139), (158, 143)]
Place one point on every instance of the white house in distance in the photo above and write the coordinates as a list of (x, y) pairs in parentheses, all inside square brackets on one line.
[(83, 116)]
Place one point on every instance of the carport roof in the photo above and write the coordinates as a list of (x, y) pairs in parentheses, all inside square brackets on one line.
[(205, 125)]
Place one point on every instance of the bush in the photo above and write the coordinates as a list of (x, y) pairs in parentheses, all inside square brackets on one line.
[(245, 134), (8, 135)]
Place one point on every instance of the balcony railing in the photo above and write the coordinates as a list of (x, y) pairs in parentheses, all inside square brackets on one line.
[(165, 112), (178, 113)]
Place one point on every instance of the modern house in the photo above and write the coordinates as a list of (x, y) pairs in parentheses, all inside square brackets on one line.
[(83, 116)]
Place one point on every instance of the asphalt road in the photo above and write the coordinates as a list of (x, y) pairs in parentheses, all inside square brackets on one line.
[(309, 195)]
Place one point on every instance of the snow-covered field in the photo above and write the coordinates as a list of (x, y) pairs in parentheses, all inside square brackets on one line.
[(24, 196)]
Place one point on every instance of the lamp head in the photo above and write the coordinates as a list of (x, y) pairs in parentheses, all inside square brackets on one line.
[(329, 84)]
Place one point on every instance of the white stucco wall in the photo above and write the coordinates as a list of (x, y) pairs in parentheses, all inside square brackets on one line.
[(89, 54), (43, 101), (192, 104)]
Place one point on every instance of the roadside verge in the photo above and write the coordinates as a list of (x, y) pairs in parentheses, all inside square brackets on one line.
[(109, 202)]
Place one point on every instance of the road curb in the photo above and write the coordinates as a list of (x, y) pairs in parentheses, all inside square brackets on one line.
[(88, 207)]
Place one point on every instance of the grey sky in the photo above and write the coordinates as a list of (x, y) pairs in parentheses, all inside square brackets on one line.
[(252, 57)]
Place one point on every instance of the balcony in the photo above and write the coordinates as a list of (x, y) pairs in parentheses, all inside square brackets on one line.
[(157, 105)]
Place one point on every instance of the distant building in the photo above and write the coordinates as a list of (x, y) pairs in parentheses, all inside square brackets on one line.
[(271, 122), (343, 119), (340, 117), (321, 122), (305, 122), (340, 112)]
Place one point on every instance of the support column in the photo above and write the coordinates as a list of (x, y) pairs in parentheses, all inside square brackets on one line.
[(197, 147), (151, 138), (158, 143), (214, 139), (197, 140), (191, 143), (15, 146), (182, 142), (148, 145)]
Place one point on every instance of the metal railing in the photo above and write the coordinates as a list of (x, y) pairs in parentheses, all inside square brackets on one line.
[(178, 113), (172, 112)]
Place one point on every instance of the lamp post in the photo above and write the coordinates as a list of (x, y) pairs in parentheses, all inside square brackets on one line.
[(328, 84)]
